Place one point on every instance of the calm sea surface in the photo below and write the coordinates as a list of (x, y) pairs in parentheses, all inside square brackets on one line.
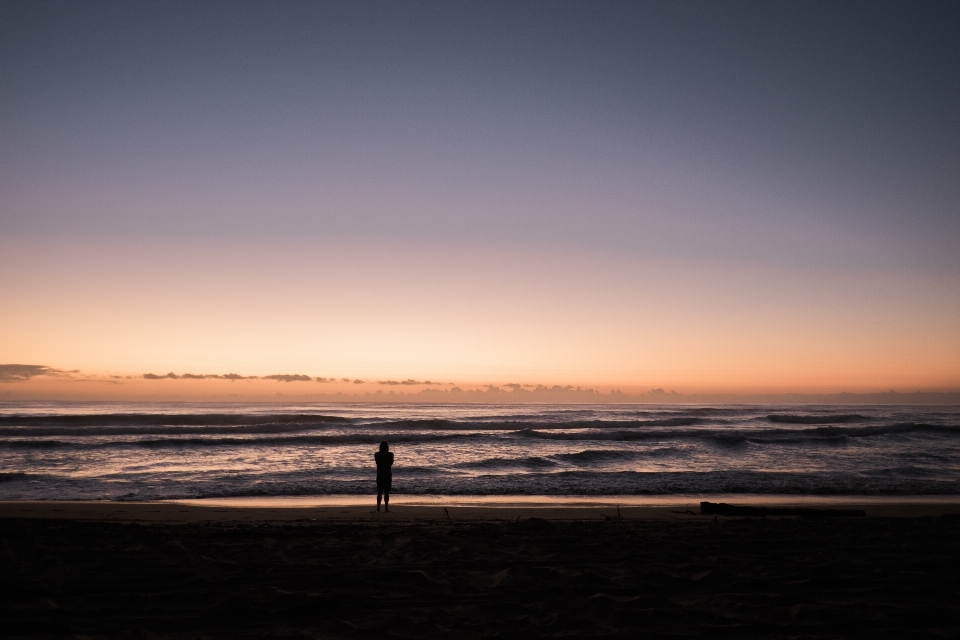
[(202, 450)]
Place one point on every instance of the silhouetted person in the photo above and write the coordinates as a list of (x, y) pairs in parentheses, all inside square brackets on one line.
[(384, 474)]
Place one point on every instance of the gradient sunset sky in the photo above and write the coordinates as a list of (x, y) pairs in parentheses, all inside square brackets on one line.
[(701, 196)]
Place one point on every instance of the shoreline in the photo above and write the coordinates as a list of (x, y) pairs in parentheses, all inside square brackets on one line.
[(558, 501), (468, 508)]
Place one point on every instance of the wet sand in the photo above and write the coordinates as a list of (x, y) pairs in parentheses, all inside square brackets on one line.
[(280, 510), (187, 571)]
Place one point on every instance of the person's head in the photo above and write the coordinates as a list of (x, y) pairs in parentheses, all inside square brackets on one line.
[(384, 446)]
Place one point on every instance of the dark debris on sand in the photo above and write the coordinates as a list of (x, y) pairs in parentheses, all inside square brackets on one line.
[(867, 578)]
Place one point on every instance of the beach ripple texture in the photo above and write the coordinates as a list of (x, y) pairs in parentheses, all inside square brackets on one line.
[(118, 451)]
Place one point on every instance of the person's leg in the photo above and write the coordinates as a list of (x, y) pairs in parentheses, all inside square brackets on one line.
[(379, 496), (386, 500)]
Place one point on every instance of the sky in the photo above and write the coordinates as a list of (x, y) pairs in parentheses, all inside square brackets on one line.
[(701, 196)]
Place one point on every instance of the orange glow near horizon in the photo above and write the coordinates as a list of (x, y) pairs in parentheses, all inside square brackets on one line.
[(463, 316)]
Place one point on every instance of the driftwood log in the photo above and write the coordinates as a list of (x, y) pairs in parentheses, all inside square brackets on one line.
[(723, 509)]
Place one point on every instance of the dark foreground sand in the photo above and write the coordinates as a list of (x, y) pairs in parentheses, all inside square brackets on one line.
[(107, 570)]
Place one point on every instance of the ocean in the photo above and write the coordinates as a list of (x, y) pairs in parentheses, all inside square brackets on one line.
[(115, 451)]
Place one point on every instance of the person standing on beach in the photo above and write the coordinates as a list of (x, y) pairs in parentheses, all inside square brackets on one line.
[(384, 459)]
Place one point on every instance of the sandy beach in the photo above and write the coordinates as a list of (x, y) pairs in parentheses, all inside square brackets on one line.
[(184, 571)]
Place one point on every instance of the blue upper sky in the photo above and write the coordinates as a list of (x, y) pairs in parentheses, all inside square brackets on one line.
[(770, 130)]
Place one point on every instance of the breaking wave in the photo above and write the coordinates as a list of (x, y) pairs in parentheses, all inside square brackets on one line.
[(815, 419), (292, 436), (223, 450)]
